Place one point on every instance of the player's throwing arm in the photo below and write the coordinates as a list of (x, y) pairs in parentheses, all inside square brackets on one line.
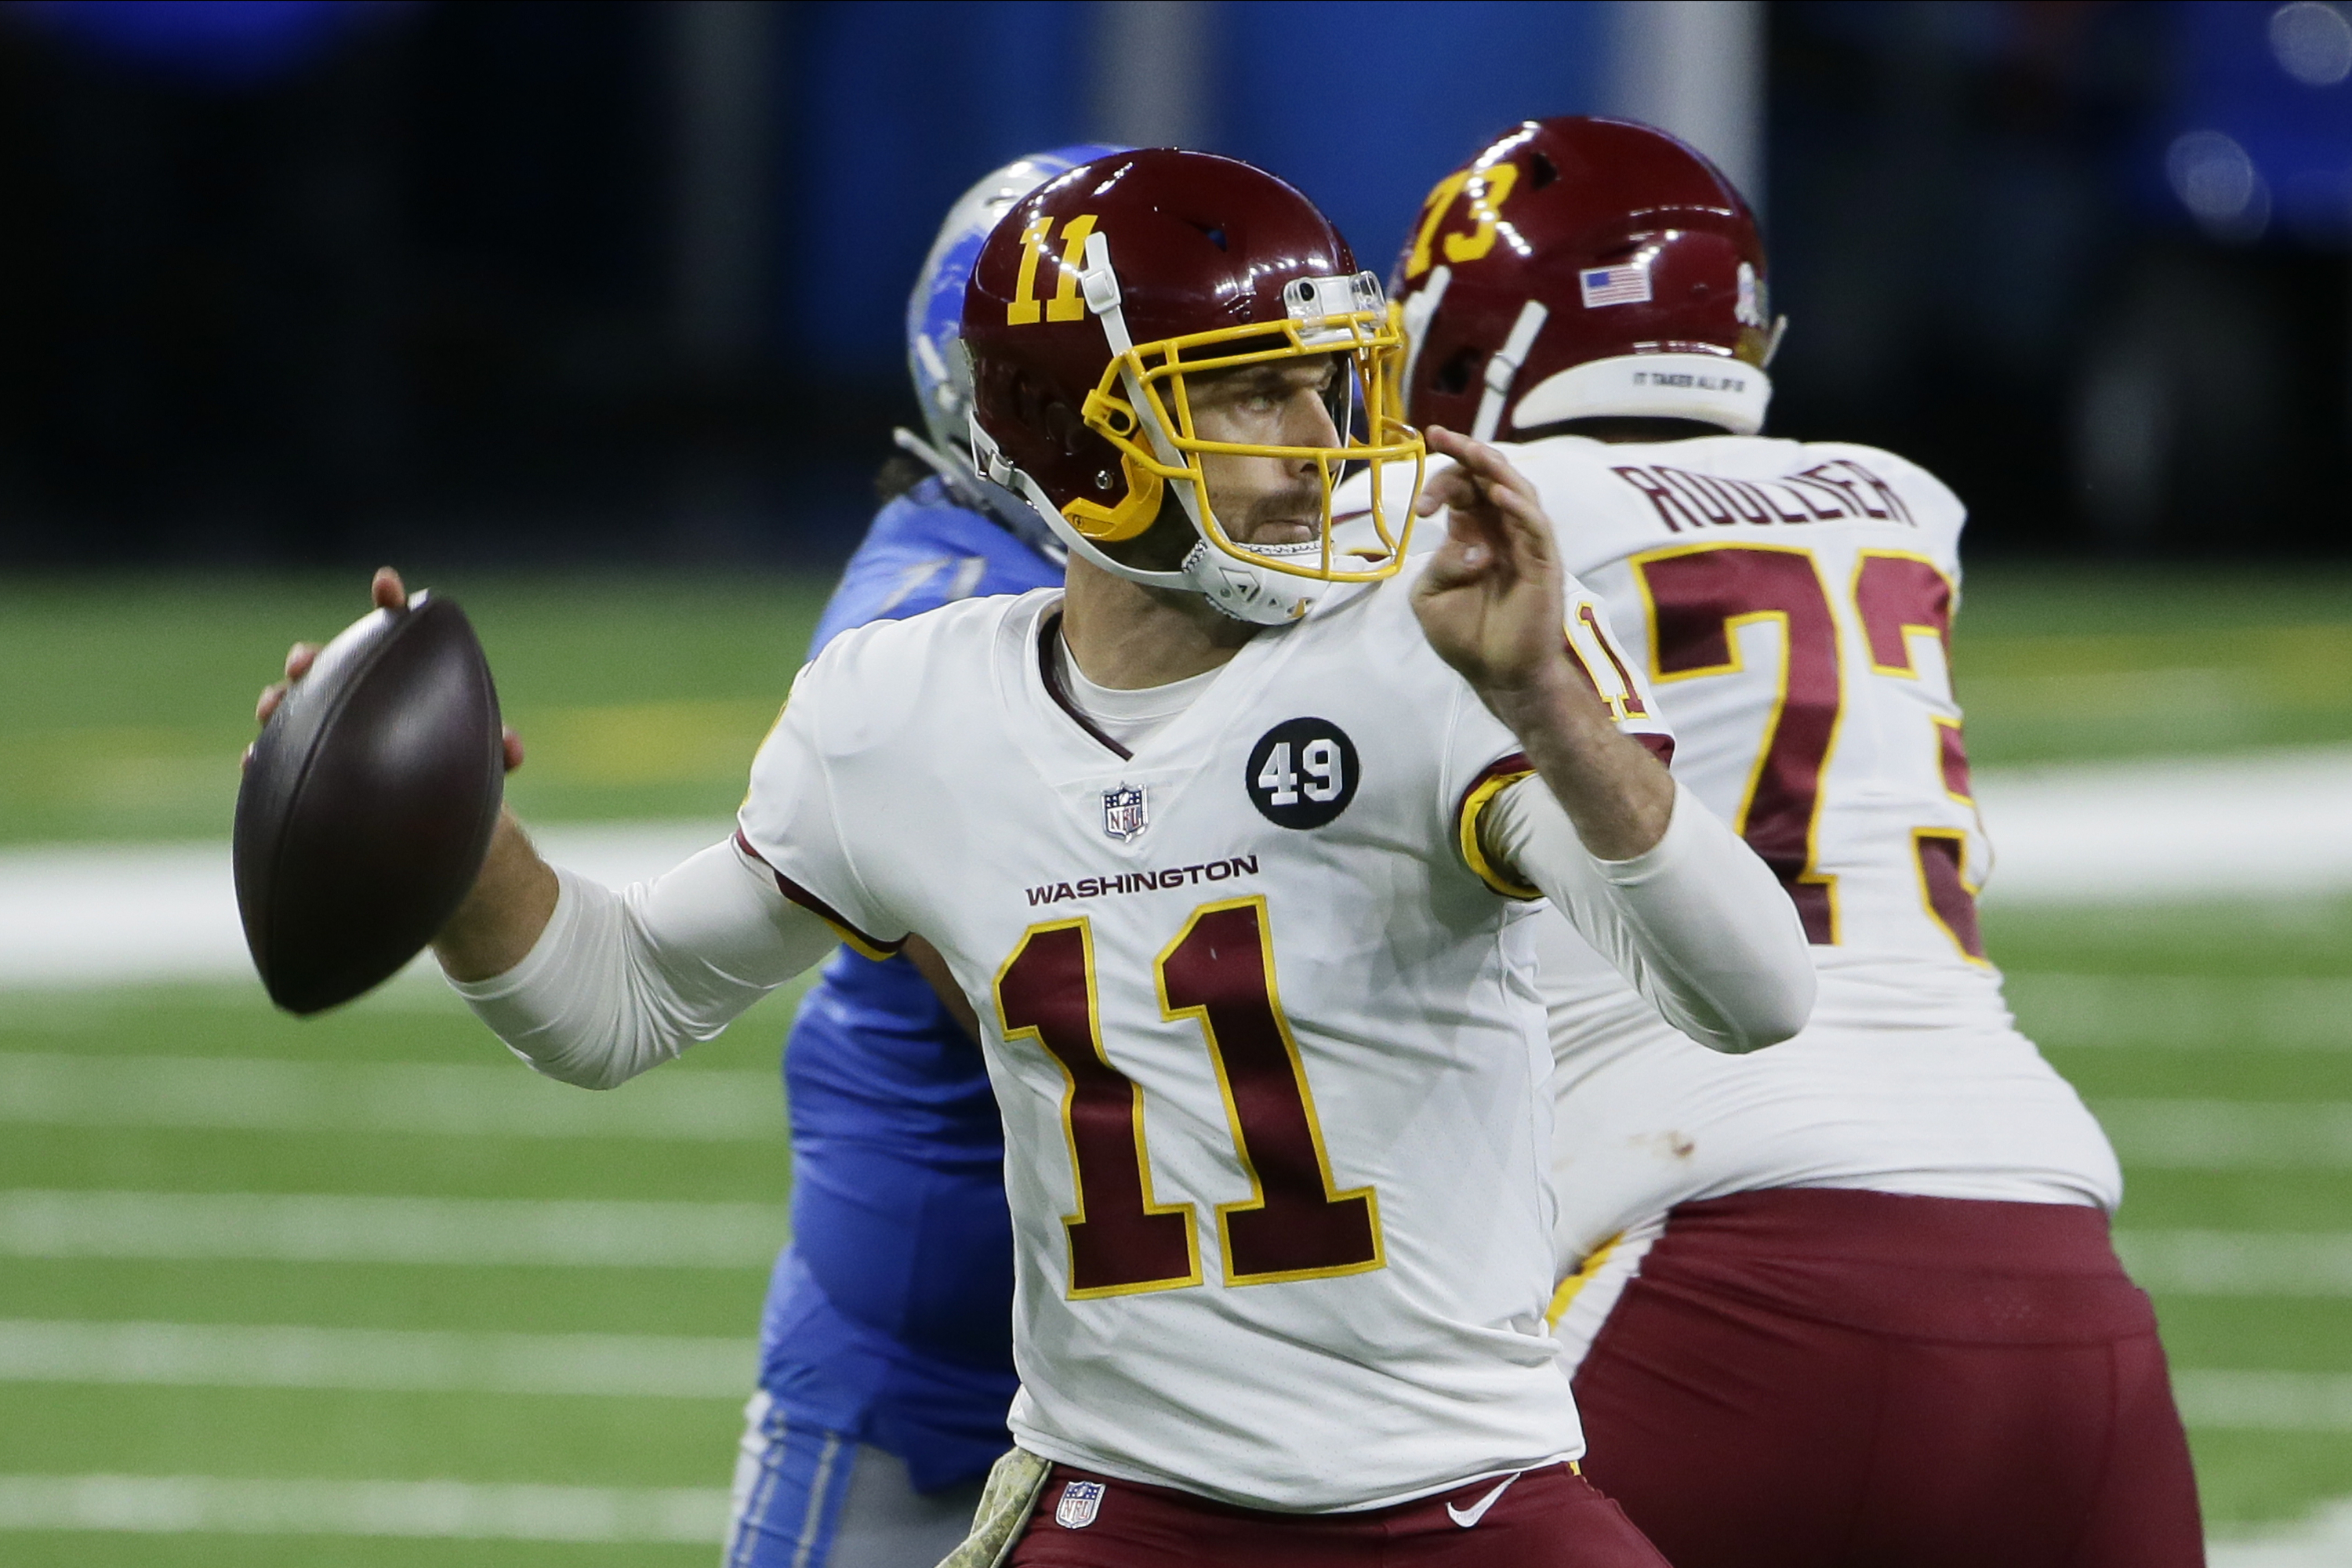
[(1664, 888), (595, 986)]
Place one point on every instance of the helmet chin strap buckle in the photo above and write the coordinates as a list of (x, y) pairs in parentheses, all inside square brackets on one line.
[(989, 458), (1252, 596), (1099, 285)]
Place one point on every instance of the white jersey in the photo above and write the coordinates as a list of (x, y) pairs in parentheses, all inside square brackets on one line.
[(1268, 1052), (1790, 606)]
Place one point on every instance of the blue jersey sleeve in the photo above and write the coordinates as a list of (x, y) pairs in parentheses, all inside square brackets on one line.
[(923, 550), (890, 1315)]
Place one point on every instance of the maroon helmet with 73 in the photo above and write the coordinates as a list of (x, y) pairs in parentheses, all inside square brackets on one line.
[(1587, 269)]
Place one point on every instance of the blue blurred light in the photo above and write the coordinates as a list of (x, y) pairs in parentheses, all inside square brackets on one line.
[(899, 104), (2274, 82), (210, 43), (1366, 111), (903, 104)]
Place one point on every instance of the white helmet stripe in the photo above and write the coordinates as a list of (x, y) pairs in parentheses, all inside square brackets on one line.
[(1503, 367), (1418, 309)]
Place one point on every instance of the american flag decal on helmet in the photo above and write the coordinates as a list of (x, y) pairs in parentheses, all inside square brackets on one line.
[(1625, 285)]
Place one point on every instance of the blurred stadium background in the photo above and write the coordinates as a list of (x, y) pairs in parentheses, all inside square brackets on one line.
[(589, 315)]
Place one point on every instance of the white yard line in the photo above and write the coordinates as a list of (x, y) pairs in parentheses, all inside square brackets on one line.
[(2182, 1012), (86, 914), (582, 1234), (188, 1505), (2239, 1263), (232, 1355), (2322, 1541), (730, 1106), (497, 1099), (182, 1504), (466, 1232), (2249, 824), (2229, 1134), (2265, 1401)]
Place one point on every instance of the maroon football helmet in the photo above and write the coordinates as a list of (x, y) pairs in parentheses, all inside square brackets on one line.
[(1578, 269), (1097, 295)]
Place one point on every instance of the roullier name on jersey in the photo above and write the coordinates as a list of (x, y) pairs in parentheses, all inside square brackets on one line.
[(1145, 881), (1842, 488)]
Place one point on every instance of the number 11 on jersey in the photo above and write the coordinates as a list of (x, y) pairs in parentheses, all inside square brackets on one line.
[(1218, 972)]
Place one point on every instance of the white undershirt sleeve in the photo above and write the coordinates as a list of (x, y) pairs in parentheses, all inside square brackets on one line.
[(1696, 922), (621, 982)]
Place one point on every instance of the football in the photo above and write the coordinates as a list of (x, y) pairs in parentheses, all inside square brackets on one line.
[(368, 803)]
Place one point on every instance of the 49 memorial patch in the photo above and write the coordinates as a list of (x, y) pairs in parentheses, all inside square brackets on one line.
[(1302, 773)]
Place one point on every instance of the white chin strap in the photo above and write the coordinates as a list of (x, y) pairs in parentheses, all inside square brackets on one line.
[(1708, 388)]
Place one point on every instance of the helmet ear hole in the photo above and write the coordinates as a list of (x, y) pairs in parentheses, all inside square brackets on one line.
[(1452, 377), (1541, 172)]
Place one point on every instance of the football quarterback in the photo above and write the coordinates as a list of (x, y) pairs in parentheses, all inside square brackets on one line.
[(1231, 844), (1851, 1301)]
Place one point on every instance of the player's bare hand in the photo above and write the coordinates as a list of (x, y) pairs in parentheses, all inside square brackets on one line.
[(388, 593), (1491, 601), (299, 659)]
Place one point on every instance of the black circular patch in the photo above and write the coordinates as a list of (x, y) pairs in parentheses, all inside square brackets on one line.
[(1302, 773)]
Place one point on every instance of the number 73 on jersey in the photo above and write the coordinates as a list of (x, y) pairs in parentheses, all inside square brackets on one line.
[(1700, 595)]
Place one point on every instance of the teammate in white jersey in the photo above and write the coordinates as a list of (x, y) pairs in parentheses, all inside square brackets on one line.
[(1211, 839), (1851, 1300)]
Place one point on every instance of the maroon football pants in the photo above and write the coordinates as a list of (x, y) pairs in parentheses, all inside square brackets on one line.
[(1810, 1378), (1547, 1518)]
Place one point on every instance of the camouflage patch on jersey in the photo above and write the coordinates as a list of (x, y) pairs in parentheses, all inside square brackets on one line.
[(1005, 1504)]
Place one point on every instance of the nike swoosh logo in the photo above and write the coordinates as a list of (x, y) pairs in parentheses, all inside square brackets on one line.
[(1468, 1517)]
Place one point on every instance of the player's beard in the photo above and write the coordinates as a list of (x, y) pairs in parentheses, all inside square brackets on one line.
[(1264, 521), (1172, 538), (1164, 545)]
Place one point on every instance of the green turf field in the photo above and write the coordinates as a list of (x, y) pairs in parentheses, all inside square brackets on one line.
[(528, 1259), (82, 1424), (125, 704)]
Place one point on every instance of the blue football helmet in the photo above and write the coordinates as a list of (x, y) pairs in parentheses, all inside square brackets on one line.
[(935, 356)]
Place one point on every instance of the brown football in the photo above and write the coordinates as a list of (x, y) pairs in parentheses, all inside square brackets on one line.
[(368, 804)]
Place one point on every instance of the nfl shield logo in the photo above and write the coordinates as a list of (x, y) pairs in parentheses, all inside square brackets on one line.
[(1124, 814), (1081, 1500)]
